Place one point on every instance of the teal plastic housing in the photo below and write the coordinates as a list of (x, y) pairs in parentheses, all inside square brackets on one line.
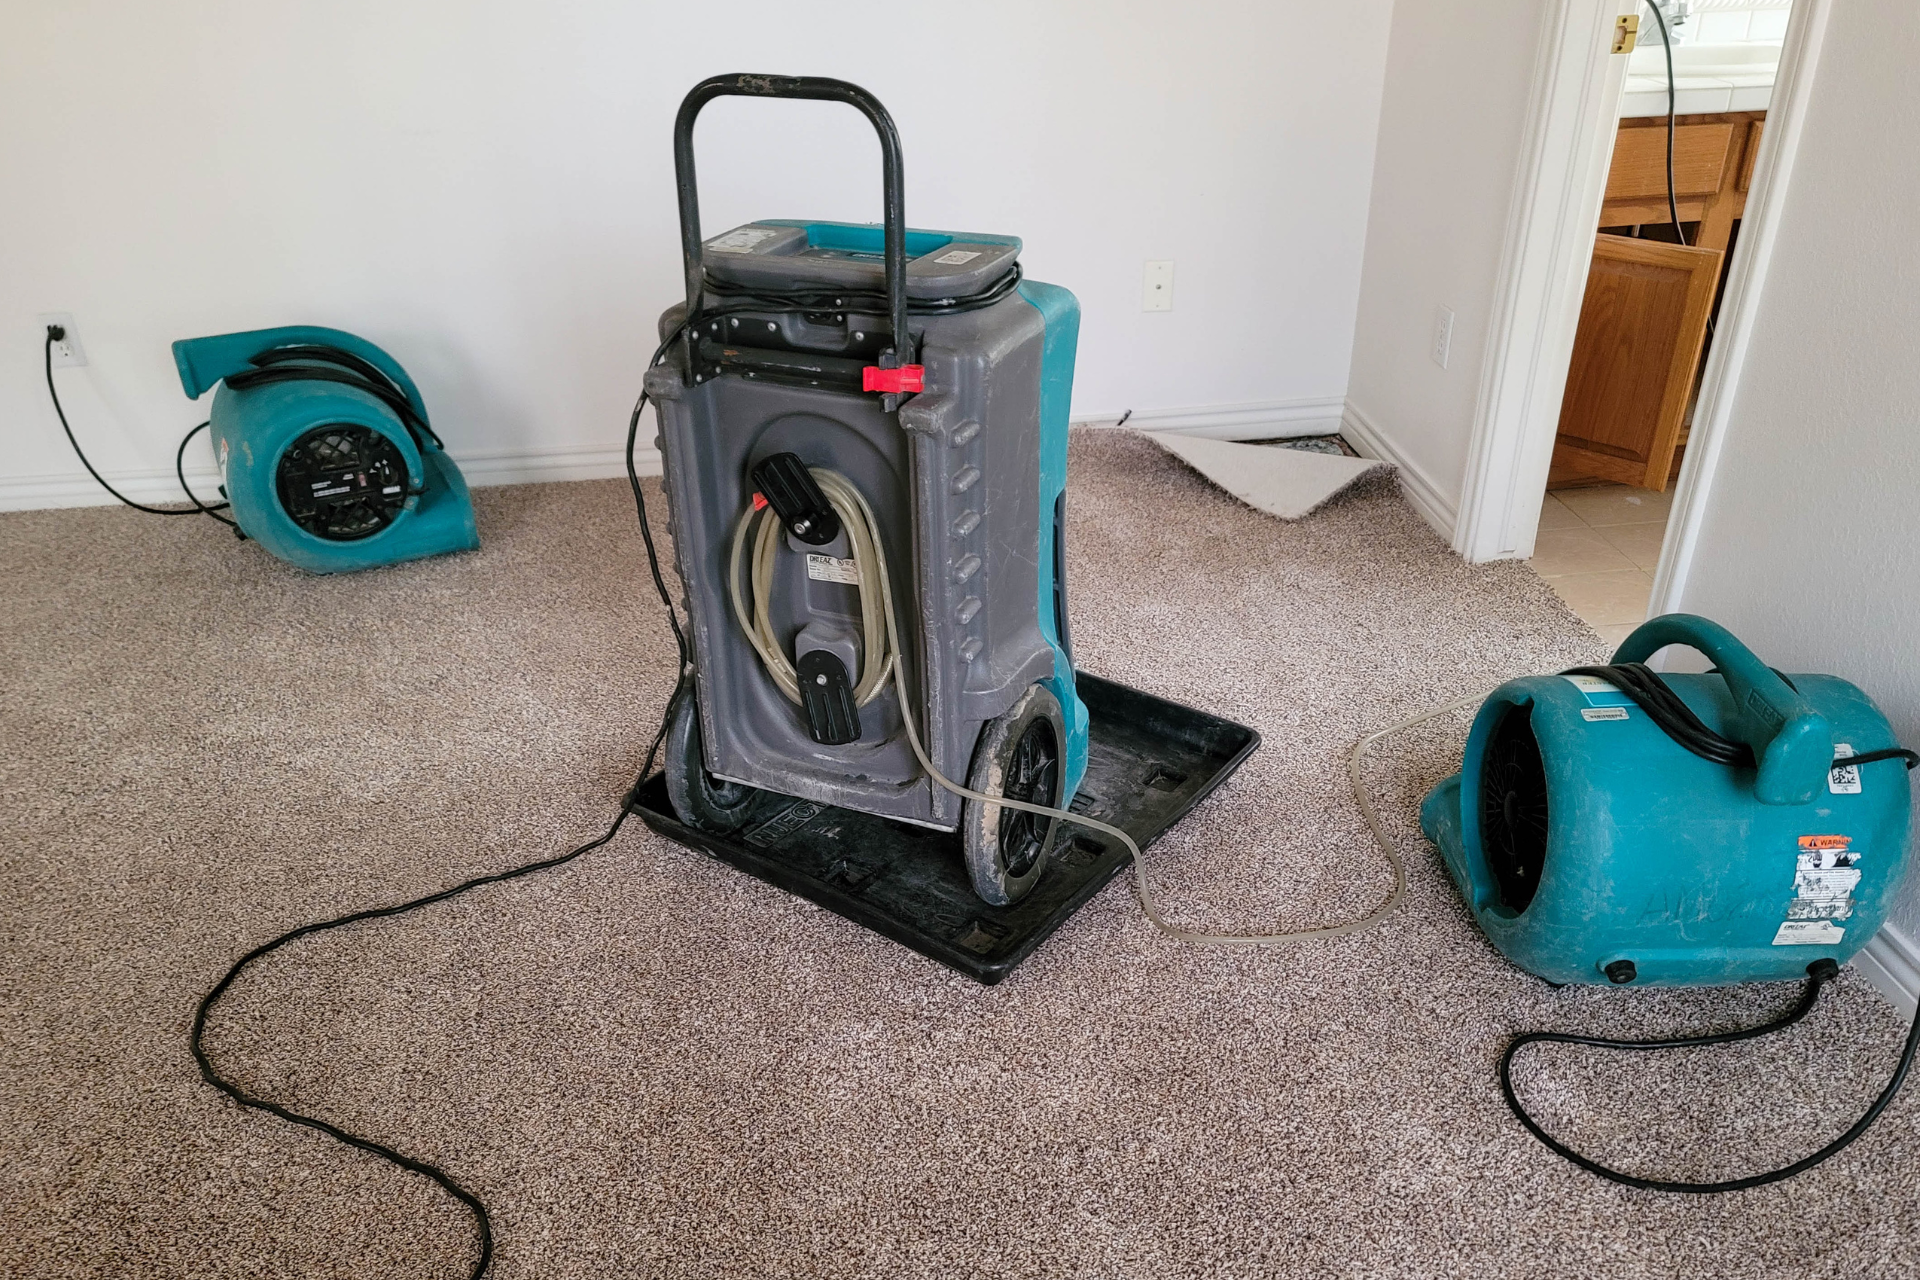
[(251, 430), (1685, 867), (1060, 312)]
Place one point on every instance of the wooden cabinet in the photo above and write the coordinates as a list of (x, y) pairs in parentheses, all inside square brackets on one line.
[(1643, 324), (1641, 330)]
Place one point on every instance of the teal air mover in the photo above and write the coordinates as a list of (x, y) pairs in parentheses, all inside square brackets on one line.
[(1611, 824), (325, 449)]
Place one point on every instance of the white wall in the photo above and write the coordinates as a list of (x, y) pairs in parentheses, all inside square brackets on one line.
[(1809, 547), (1459, 73), (486, 189)]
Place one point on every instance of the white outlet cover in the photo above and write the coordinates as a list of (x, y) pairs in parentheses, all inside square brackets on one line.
[(1442, 335), (1156, 287), (67, 353)]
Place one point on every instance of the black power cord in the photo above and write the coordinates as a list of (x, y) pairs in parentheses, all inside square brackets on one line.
[(483, 1222), (180, 472), (54, 334), (1819, 973), (859, 302), (1678, 721), (318, 362), (1666, 44)]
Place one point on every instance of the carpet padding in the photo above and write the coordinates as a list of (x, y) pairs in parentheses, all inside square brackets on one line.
[(651, 1065)]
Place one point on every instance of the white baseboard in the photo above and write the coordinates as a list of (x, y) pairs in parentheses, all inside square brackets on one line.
[(578, 462), (1268, 420), (34, 493), (1891, 962), (586, 462), (1419, 487)]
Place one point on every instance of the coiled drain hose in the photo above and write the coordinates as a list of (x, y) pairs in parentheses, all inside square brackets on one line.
[(869, 562), (880, 660)]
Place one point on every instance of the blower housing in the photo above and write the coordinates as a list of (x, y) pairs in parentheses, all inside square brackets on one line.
[(325, 451), (1592, 847)]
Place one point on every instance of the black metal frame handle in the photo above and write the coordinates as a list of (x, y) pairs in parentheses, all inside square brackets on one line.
[(823, 89)]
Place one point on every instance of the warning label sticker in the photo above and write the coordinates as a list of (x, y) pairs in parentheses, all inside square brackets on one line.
[(741, 239), (1843, 779), (831, 569), (1825, 873), (956, 257), (1808, 933)]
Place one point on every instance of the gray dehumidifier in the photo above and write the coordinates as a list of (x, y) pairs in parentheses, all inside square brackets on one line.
[(864, 434)]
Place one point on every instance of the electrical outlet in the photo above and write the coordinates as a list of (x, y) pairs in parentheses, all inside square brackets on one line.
[(67, 352), (1442, 336), (1156, 287)]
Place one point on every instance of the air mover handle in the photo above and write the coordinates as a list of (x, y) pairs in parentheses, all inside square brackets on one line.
[(817, 87), (202, 362), (1792, 742)]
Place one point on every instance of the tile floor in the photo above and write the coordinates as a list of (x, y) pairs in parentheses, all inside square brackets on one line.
[(1597, 548)]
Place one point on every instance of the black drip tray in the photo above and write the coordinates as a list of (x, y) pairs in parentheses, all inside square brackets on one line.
[(1149, 762)]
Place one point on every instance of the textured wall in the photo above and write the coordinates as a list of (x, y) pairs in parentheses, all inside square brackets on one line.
[(1445, 166), (487, 187), (1809, 548)]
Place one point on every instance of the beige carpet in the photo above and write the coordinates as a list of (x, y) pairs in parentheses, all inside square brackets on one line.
[(650, 1065)]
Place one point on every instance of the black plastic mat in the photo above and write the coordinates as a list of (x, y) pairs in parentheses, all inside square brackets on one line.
[(1149, 762)]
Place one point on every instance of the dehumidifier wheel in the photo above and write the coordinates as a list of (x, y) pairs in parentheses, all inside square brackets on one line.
[(1019, 756), (700, 799)]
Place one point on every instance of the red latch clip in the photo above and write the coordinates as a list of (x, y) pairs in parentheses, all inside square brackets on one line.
[(908, 377)]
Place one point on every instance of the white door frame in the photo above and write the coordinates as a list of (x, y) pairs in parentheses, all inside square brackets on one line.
[(1557, 196)]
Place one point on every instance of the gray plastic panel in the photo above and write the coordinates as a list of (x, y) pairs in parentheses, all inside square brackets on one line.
[(953, 479), (777, 255)]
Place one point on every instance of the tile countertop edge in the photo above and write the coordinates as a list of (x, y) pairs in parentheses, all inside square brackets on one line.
[(1707, 97)]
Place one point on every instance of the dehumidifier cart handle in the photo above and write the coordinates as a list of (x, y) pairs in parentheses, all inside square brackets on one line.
[(826, 90), (1792, 742)]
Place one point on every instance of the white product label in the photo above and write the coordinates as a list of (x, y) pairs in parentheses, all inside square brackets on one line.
[(1598, 692), (1844, 779), (741, 239), (1603, 713), (830, 569), (1808, 933), (956, 257)]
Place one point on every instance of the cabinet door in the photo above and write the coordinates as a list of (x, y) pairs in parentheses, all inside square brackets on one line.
[(1638, 170), (1635, 354)]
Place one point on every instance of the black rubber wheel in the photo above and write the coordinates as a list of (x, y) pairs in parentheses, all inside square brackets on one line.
[(700, 799), (1021, 756)]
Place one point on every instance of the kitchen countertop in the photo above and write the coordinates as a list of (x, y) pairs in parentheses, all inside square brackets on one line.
[(1707, 79)]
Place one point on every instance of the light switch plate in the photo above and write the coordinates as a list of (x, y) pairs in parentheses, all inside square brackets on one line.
[(1156, 287)]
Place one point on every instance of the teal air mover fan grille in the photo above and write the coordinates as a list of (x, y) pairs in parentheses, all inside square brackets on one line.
[(342, 482), (1513, 809), (325, 449)]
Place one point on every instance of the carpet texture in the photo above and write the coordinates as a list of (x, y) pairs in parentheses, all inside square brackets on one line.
[(651, 1065)]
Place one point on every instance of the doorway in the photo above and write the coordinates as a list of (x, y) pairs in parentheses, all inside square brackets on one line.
[(1690, 124), (1584, 99)]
